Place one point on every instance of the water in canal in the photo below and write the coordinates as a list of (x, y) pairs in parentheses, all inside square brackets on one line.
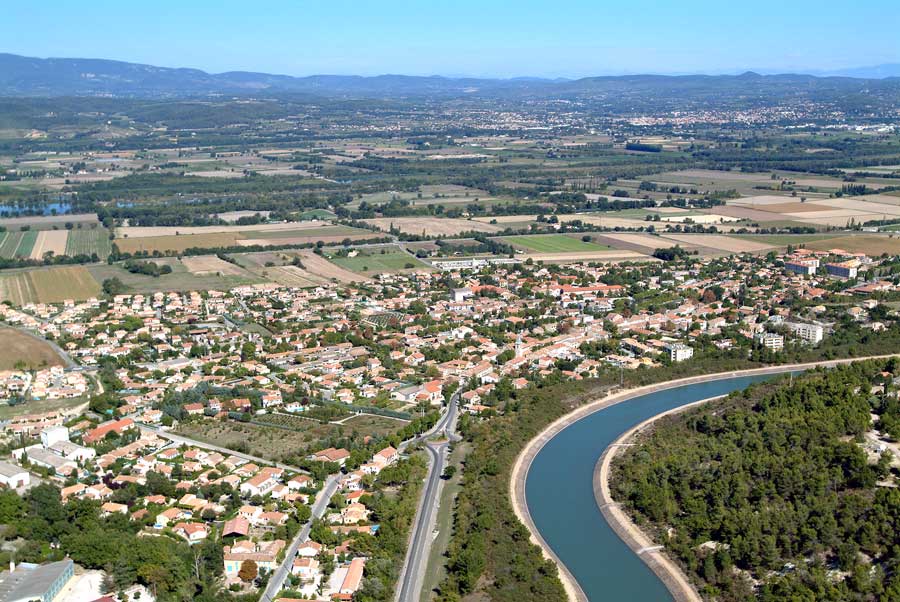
[(560, 495)]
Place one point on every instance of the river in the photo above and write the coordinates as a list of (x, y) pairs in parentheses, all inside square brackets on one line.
[(560, 495)]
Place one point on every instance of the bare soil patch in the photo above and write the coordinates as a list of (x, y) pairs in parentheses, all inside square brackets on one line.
[(210, 264), (50, 240), (21, 347), (319, 266), (432, 226)]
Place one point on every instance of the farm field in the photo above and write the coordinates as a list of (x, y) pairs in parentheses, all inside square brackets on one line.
[(719, 242), (157, 231), (375, 260), (611, 256), (370, 424), (176, 243), (870, 244), (86, 241), (317, 232), (20, 348), (230, 236), (16, 244), (49, 241), (783, 240), (268, 442), (48, 285), (321, 267), (47, 222), (816, 211), (552, 243), (639, 242), (210, 264), (179, 280), (432, 226), (289, 275)]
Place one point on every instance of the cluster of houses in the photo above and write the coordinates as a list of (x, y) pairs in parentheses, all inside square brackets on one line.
[(402, 343)]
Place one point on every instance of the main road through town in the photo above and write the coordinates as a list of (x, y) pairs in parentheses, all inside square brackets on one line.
[(416, 561)]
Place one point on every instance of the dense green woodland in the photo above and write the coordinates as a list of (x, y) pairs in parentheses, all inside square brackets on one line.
[(776, 484)]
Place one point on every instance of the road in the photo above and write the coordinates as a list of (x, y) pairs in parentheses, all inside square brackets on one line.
[(276, 581), (202, 444), (416, 561)]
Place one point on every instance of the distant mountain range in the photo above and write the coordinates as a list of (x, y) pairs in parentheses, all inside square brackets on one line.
[(25, 76)]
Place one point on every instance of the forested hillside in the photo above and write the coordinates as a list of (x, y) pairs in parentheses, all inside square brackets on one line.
[(770, 494)]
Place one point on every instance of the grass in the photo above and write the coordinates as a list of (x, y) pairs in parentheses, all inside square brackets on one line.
[(48, 285), (370, 424), (376, 261), (553, 243), (870, 244), (84, 241), (179, 280), (317, 214), (20, 348), (436, 570), (40, 406), (271, 443)]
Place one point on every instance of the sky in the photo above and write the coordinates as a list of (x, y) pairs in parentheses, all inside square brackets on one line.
[(484, 38)]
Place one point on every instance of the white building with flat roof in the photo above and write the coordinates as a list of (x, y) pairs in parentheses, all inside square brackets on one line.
[(811, 333), (13, 476)]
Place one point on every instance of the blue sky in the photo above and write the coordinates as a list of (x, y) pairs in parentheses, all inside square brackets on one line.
[(567, 38)]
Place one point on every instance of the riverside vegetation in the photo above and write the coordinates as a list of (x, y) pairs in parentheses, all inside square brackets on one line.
[(768, 494), (490, 550)]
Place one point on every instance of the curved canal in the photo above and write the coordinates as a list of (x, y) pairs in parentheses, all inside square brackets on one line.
[(560, 495)]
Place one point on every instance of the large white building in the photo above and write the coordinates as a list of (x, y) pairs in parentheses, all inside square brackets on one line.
[(12, 476), (771, 340), (811, 333), (678, 352)]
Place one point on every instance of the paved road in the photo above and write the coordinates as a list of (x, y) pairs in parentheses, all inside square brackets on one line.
[(276, 581), (416, 561), (224, 450)]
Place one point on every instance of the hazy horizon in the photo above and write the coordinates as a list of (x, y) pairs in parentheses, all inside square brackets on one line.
[(574, 38)]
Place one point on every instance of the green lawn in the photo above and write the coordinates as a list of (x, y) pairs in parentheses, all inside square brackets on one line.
[(369, 261), (553, 243)]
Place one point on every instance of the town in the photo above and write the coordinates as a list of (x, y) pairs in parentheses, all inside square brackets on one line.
[(174, 396)]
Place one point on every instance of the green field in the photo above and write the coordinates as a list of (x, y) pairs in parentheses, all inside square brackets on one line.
[(8, 243), (378, 260), (553, 243), (179, 280), (85, 241), (17, 244), (26, 244), (48, 285), (317, 214)]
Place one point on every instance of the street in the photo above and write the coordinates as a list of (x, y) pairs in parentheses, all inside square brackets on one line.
[(415, 564)]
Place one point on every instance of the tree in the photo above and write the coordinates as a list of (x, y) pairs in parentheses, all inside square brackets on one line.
[(248, 570)]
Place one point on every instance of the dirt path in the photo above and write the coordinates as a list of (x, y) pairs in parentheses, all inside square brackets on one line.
[(523, 462)]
